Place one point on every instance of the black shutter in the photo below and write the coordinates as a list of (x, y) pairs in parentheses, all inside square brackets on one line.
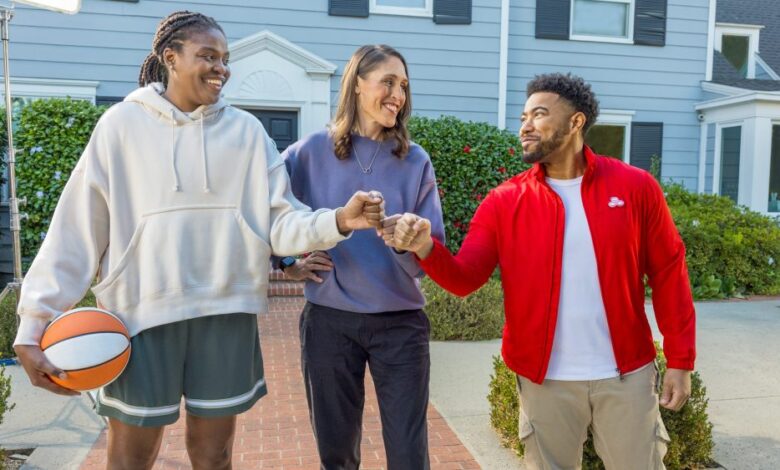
[(552, 19), (452, 11), (357, 8), (646, 142), (650, 22)]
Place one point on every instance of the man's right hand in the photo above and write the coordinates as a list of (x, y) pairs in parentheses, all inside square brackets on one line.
[(39, 368), (408, 232), (306, 268)]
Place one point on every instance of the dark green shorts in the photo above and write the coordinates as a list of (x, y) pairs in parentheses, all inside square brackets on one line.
[(214, 362)]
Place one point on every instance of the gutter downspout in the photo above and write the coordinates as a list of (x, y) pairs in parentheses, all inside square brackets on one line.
[(503, 59), (710, 41)]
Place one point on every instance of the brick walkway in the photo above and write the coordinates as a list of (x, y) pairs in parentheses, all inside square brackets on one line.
[(276, 432)]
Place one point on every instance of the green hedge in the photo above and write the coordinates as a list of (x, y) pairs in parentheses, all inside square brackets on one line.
[(50, 138), (690, 430), (470, 158), (731, 251), (477, 317)]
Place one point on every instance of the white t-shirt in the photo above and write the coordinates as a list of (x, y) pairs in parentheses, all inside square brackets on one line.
[(582, 349)]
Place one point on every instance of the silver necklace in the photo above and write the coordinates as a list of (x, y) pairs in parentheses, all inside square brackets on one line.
[(366, 170)]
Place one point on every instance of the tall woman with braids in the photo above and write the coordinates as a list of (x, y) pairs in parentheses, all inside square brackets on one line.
[(364, 301), (176, 205)]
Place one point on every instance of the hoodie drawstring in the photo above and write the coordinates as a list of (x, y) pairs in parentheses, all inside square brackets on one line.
[(176, 185), (206, 188)]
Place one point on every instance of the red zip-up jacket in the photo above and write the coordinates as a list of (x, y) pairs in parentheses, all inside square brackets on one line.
[(519, 227)]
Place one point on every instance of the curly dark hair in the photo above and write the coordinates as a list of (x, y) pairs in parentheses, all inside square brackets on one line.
[(573, 89), (172, 31)]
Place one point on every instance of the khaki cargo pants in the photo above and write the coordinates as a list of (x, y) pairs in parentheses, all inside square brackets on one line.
[(622, 413)]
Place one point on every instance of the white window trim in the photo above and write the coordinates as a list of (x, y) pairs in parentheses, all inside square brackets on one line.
[(772, 124), (425, 12), (717, 158), (618, 117), (769, 70), (53, 88), (629, 39), (752, 32)]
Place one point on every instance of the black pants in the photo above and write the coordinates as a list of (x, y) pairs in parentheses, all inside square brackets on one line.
[(335, 346)]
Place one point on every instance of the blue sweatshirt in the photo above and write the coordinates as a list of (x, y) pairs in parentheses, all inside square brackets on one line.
[(367, 276)]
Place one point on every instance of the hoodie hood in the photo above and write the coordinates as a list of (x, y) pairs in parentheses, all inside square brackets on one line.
[(150, 97)]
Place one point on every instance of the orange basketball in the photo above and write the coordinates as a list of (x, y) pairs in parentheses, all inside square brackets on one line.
[(91, 345)]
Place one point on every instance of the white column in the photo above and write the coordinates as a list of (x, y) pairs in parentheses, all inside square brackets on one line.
[(702, 156), (757, 187)]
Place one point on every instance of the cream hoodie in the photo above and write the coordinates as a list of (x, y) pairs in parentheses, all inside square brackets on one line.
[(176, 214)]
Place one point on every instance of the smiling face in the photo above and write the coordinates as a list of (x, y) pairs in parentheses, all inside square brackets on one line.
[(198, 70), (381, 95), (546, 125)]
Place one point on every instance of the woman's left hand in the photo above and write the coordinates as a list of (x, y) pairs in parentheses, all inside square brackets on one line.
[(306, 268)]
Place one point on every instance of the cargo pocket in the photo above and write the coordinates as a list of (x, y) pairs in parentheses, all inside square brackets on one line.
[(527, 435), (662, 441), (526, 429)]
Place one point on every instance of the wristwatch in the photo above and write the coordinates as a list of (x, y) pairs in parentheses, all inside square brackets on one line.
[(286, 262)]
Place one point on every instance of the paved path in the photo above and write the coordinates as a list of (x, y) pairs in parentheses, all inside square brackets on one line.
[(276, 433), (739, 361)]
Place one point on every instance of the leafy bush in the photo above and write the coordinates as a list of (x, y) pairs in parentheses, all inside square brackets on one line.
[(8, 322), (7, 326), (51, 135), (5, 393), (731, 251), (477, 317), (470, 158), (689, 429)]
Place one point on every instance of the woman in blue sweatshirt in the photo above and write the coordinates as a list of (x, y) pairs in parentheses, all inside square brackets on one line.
[(364, 303)]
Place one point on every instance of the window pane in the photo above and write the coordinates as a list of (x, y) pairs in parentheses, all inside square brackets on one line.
[(607, 140), (774, 172), (594, 18), (735, 50), (731, 138), (401, 3)]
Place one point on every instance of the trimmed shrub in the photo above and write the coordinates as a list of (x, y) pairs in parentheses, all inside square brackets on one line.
[(690, 430), (5, 393), (7, 326), (8, 322), (470, 159), (731, 251), (477, 317), (5, 406), (51, 135)]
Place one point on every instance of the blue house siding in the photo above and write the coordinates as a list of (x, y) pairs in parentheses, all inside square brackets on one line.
[(454, 68), (108, 40), (660, 84)]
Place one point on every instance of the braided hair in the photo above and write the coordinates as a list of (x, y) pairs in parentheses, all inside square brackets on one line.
[(171, 33)]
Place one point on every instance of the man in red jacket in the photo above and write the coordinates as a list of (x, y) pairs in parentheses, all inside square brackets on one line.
[(575, 236)]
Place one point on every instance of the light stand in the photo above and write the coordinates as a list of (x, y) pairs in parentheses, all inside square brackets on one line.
[(6, 13), (15, 285)]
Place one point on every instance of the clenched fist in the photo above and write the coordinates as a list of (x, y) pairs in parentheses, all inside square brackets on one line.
[(408, 232)]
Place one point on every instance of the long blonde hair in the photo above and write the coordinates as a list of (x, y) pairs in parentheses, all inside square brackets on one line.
[(363, 62)]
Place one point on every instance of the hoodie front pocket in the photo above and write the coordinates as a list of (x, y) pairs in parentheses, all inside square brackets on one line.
[(208, 249)]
